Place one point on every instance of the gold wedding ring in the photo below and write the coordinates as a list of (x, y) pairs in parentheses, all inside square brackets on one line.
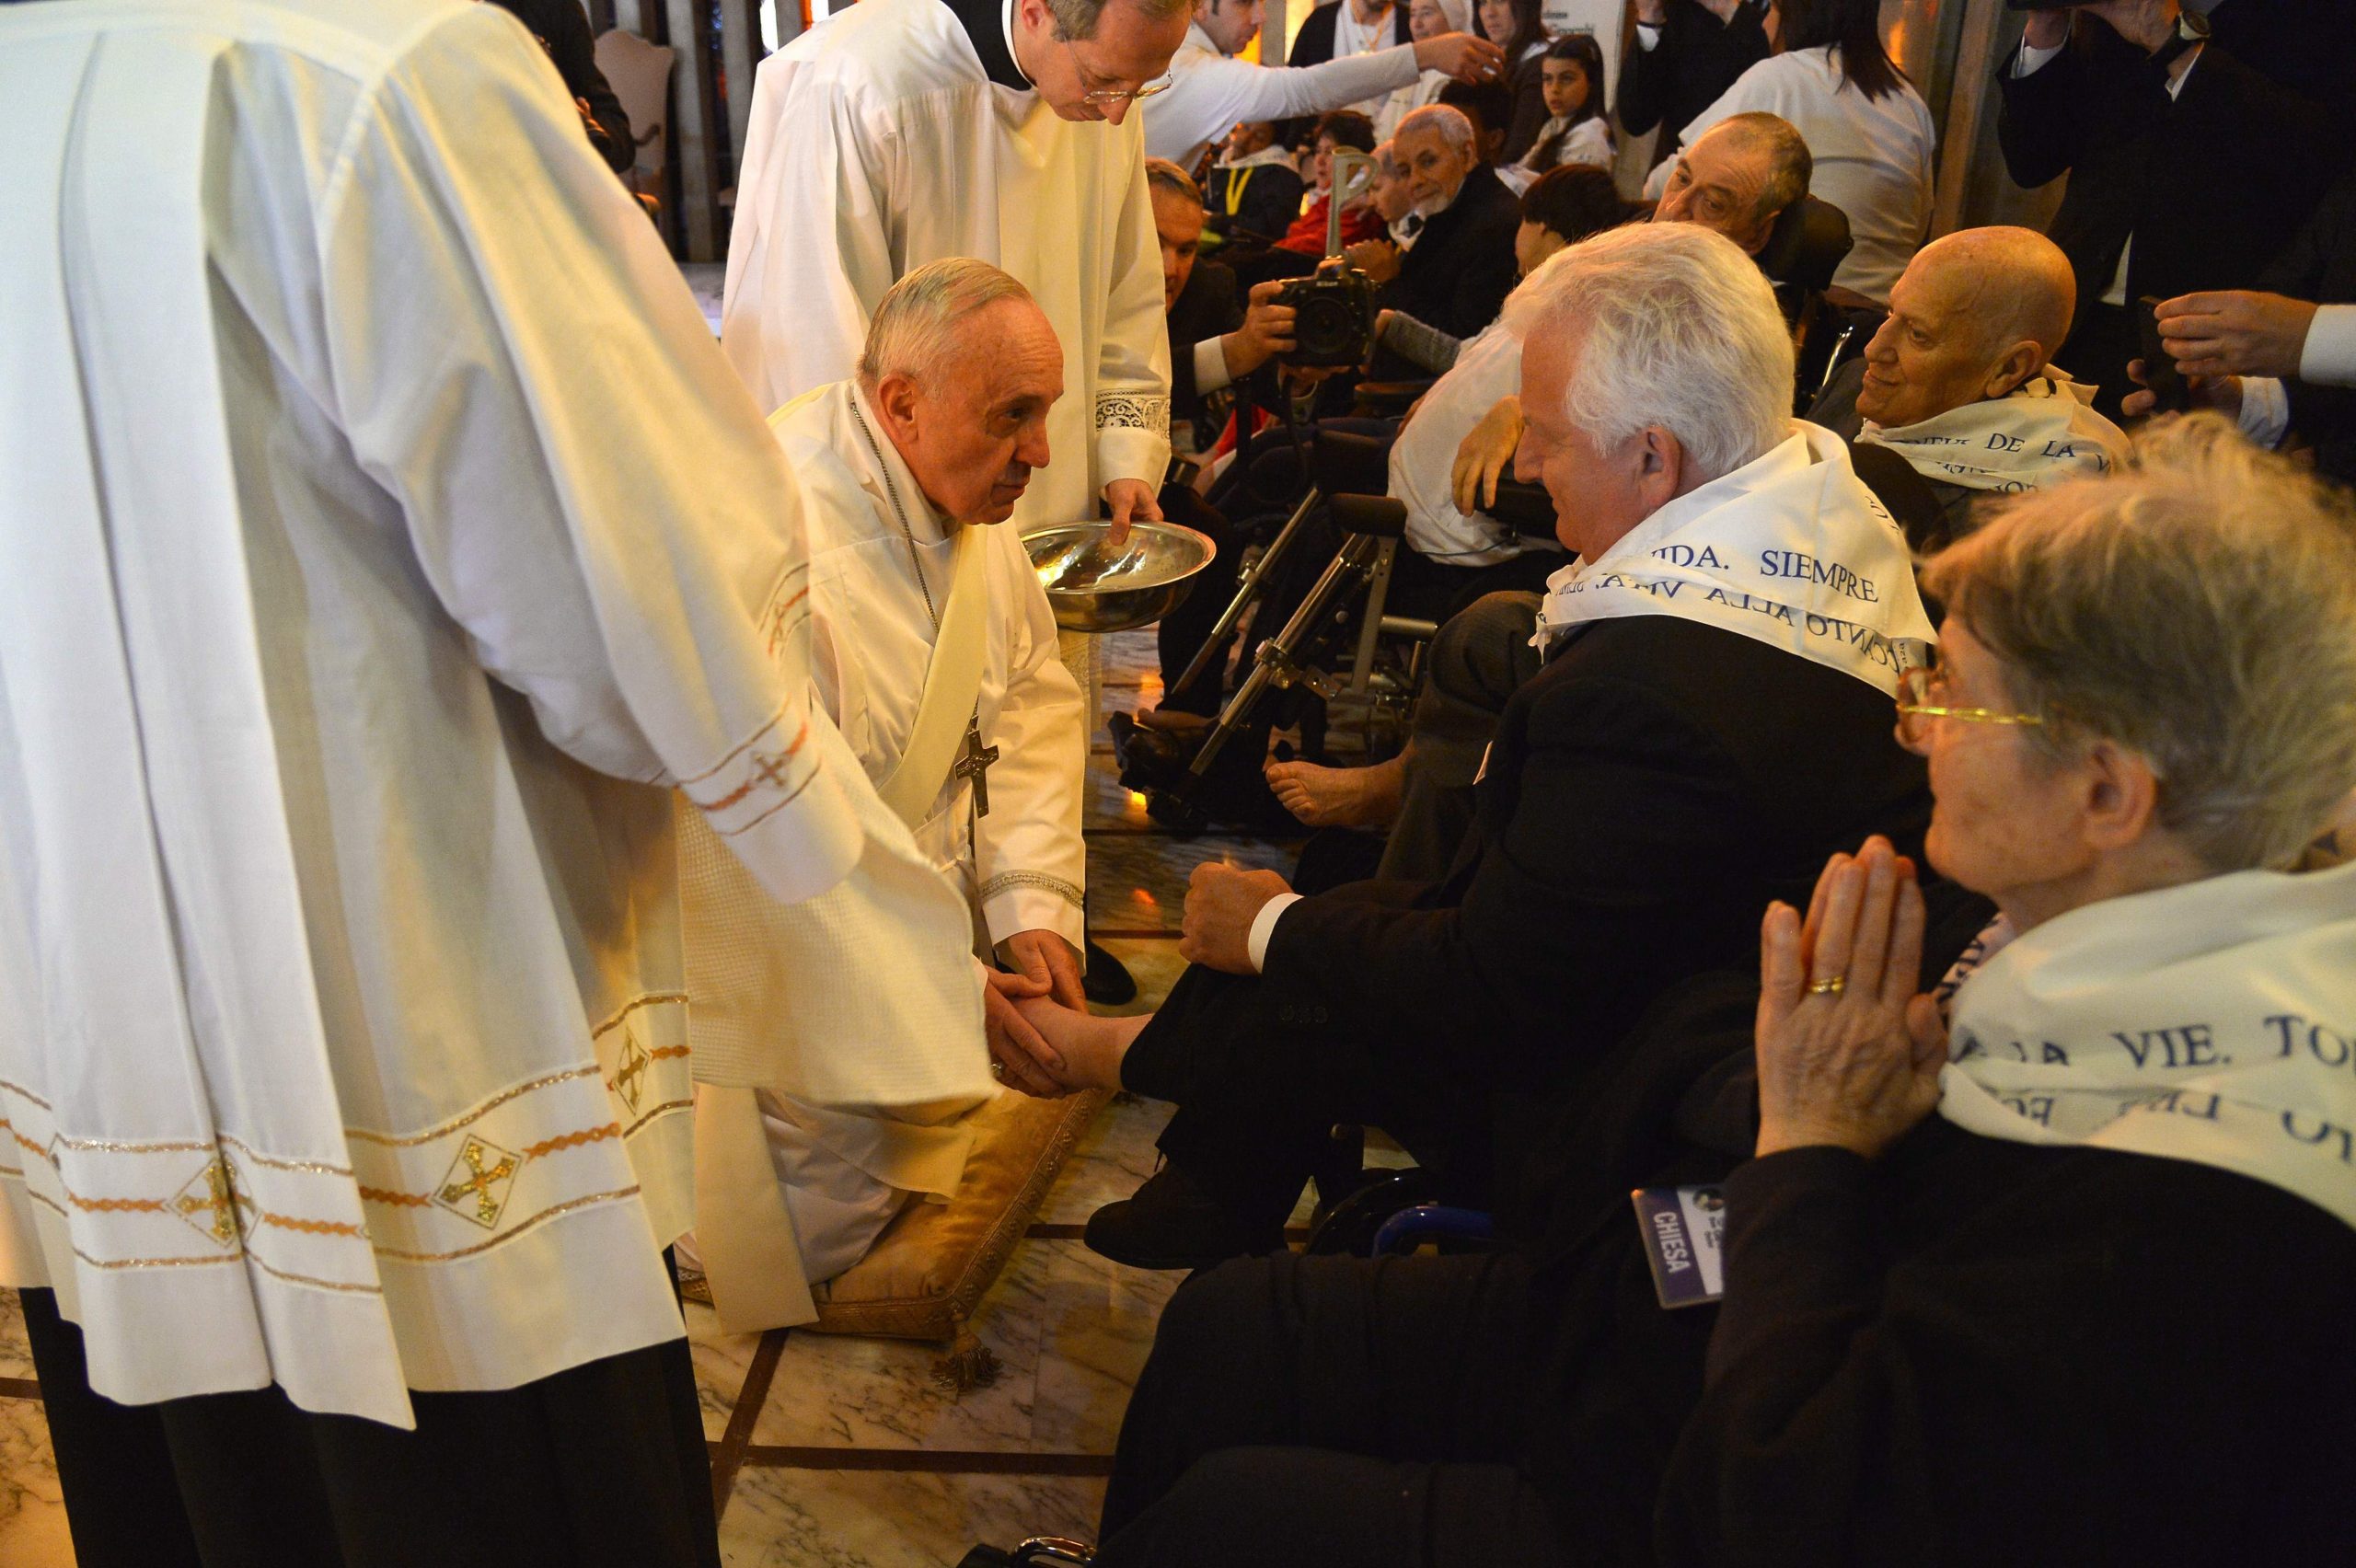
[(1831, 987)]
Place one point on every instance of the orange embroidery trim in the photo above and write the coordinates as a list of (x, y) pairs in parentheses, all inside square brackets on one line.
[(767, 775)]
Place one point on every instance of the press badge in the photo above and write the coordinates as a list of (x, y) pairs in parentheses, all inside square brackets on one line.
[(1684, 1231)]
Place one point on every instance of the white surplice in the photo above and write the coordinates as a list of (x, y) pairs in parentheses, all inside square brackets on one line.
[(385, 535), (841, 1172), (878, 143)]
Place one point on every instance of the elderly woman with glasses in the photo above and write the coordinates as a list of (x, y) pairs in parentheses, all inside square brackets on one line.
[(2055, 1265)]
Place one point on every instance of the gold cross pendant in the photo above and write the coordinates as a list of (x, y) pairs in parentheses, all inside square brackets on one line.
[(976, 765)]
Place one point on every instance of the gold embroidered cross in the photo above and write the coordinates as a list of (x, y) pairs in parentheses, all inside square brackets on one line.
[(771, 767), (219, 1198), (485, 1166), (635, 1062)]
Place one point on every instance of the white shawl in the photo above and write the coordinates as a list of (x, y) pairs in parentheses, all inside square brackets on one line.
[(2045, 431), (2214, 1022), (1790, 549)]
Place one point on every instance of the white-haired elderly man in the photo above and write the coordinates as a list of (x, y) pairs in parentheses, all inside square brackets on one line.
[(1714, 719), (1457, 276), (932, 645)]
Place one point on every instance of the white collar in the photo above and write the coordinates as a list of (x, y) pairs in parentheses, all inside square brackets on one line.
[(1197, 38), (1255, 161), (926, 522)]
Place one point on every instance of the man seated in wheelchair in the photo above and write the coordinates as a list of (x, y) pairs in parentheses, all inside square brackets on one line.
[(1713, 721), (1737, 180)]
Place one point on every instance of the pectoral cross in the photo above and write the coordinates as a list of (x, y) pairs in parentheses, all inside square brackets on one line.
[(976, 765)]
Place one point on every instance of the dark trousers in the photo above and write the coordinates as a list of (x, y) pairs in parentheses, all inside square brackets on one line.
[(2104, 339), (1260, 1078), (1305, 1410), (1477, 661), (600, 1465)]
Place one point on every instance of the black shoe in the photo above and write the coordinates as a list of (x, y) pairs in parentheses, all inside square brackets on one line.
[(1171, 1222), (1107, 981)]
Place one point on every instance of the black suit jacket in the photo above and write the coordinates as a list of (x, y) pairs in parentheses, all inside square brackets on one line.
[(1208, 307), (2213, 185), (1264, 206), (1649, 791), (1314, 44), (1695, 62), (2321, 265), (562, 28), (1462, 267)]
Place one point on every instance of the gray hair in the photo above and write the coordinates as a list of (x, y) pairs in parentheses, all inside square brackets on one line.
[(2200, 610), (1790, 165), (915, 329), (1160, 173), (1077, 18), (1677, 329), (1447, 122)]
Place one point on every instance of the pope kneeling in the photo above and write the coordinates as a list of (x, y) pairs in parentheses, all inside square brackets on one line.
[(931, 644)]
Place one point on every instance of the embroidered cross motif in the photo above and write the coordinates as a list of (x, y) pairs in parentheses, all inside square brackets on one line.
[(771, 767), (215, 1192), (479, 1168), (635, 1062), (976, 765)]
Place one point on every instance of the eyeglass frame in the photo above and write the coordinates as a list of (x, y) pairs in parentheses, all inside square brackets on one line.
[(1105, 97), (1916, 681)]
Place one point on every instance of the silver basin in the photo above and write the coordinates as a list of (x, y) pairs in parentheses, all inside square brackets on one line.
[(1095, 585)]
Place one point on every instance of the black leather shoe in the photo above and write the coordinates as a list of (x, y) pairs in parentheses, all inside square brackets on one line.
[(1107, 981), (1171, 1222)]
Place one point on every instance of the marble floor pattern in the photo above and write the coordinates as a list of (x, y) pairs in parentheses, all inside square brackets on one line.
[(844, 1453)]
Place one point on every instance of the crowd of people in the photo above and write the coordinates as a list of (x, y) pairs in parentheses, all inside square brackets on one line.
[(513, 809)]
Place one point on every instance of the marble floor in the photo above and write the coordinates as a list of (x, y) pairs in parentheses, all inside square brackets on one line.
[(844, 1453)]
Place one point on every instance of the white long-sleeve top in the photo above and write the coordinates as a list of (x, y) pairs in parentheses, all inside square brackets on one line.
[(1211, 93), (386, 535), (878, 143)]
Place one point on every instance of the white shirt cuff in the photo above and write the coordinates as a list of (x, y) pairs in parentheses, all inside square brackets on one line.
[(1263, 926), (2266, 410), (2329, 357), (1210, 364), (2031, 59)]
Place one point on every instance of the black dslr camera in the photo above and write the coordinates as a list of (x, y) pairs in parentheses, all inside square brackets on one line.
[(1332, 321)]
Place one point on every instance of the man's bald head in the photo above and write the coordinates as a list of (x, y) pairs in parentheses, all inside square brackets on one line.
[(1977, 314)]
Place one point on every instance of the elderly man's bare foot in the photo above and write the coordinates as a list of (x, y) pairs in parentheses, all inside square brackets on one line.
[(1339, 797), (1092, 1046)]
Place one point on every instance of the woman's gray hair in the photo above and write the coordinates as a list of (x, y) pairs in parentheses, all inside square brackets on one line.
[(1447, 122), (915, 329), (1676, 328), (1077, 18), (2198, 608)]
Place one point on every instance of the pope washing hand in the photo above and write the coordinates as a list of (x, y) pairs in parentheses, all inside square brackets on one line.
[(932, 645)]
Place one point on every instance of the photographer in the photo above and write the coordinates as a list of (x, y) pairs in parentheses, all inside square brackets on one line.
[(2188, 170), (1214, 341)]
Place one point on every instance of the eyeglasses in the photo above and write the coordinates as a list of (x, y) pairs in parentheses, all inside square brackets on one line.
[(1106, 97), (1918, 685)]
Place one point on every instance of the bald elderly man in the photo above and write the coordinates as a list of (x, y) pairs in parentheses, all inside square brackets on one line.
[(1960, 381)]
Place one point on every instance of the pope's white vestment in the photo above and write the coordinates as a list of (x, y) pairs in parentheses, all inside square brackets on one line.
[(807, 1198), (879, 143), (385, 542)]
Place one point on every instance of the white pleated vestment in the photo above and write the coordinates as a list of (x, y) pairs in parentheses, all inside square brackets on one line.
[(810, 1200), (383, 536)]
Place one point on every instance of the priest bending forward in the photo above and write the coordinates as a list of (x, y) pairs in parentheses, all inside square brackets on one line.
[(932, 646)]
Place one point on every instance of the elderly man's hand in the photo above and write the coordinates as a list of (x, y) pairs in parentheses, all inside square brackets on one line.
[(1221, 903), (1020, 1055), (2235, 332), (1130, 499), (1857, 1066), (1378, 259), (1047, 961), (1462, 57), (1265, 333), (1484, 455)]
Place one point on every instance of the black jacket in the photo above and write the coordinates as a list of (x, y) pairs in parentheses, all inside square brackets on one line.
[(2321, 266), (562, 28), (1209, 306), (1649, 791), (1695, 62), (2213, 185), (1264, 203), (1314, 44), (1462, 267)]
